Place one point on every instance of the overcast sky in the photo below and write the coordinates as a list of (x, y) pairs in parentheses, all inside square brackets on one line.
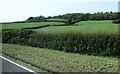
[(19, 10)]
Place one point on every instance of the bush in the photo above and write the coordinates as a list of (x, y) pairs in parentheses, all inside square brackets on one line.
[(116, 21), (99, 44), (12, 35)]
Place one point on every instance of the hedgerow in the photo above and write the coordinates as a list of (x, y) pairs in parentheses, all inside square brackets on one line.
[(96, 44), (116, 21)]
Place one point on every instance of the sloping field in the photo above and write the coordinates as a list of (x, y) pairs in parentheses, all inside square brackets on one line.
[(80, 27), (28, 25), (84, 27)]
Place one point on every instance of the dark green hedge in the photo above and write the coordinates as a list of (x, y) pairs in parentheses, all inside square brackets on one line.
[(116, 21), (97, 44)]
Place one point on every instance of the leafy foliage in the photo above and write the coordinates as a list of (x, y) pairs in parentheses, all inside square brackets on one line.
[(76, 17), (116, 21), (88, 16), (93, 44), (36, 19), (72, 20)]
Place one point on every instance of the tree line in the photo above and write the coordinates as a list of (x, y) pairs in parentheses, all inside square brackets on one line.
[(76, 17), (89, 16)]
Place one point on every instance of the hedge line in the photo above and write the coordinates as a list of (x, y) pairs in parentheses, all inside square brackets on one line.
[(99, 44), (117, 21)]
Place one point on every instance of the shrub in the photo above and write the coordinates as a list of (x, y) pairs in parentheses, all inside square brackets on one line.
[(116, 21), (99, 44)]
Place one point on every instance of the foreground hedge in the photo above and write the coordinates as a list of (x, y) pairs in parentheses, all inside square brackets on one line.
[(99, 44)]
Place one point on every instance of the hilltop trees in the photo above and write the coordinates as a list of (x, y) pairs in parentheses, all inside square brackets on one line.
[(88, 16), (36, 19), (76, 17), (72, 19)]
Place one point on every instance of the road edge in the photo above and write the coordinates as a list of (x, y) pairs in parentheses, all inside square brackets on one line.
[(17, 64)]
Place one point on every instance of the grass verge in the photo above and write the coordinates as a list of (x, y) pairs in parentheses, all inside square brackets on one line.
[(56, 61)]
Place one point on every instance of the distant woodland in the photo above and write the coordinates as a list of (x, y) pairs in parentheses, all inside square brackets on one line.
[(72, 18)]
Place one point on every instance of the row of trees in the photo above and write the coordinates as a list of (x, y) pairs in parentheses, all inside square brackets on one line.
[(36, 19), (76, 17), (89, 16)]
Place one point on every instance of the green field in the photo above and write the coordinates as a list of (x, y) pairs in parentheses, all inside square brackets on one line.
[(27, 25), (84, 27), (81, 27), (56, 61), (105, 22)]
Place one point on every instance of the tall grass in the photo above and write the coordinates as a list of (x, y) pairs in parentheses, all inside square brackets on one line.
[(56, 61)]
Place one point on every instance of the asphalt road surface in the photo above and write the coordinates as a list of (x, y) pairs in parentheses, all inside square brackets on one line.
[(10, 67)]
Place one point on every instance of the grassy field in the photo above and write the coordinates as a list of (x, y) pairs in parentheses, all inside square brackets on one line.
[(81, 27), (105, 22), (84, 27), (26, 25), (56, 61)]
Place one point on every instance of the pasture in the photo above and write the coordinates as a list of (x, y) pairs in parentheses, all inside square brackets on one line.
[(91, 27), (28, 25), (84, 27)]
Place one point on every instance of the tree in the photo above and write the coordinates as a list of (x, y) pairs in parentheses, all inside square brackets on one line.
[(36, 19), (116, 21), (30, 18), (72, 19)]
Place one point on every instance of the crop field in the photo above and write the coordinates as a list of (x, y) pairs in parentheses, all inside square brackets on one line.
[(56, 61), (84, 27), (28, 25)]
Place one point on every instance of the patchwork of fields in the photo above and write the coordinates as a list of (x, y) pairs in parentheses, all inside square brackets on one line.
[(81, 27), (57, 61), (28, 25), (84, 27)]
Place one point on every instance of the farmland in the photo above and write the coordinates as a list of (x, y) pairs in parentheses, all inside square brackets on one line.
[(84, 27), (88, 42), (82, 37), (56, 61), (26, 25), (92, 27)]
